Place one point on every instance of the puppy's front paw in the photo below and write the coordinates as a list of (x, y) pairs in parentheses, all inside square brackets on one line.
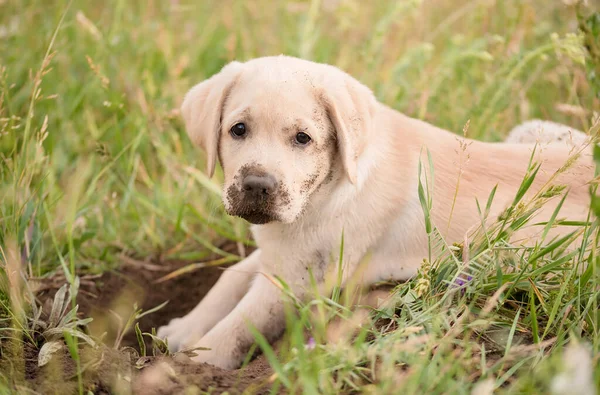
[(180, 333), (220, 351)]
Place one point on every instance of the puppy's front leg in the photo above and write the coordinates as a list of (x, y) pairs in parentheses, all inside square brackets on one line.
[(218, 302), (230, 339)]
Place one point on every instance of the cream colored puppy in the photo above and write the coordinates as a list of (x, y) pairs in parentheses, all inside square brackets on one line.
[(309, 154)]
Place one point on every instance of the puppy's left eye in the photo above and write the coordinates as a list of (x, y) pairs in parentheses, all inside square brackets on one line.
[(302, 138), (238, 130)]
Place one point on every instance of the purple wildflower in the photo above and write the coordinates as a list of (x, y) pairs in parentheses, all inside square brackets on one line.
[(311, 344), (461, 283)]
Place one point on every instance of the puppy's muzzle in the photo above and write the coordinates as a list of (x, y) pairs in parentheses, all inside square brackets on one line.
[(254, 199)]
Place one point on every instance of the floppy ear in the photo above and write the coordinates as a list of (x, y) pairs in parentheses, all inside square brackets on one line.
[(351, 107), (202, 109)]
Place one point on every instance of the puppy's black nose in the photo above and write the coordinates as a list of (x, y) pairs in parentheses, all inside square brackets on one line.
[(263, 185)]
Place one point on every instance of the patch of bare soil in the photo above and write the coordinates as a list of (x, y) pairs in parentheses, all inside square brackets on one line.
[(175, 375), (109, 299)]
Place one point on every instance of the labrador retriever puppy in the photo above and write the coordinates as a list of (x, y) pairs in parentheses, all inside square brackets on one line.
[(310, 156)]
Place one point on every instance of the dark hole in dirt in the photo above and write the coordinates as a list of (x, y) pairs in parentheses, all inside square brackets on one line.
[(135, 282)]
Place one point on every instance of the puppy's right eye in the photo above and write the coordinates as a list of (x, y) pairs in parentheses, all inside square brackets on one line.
[(238, 130)]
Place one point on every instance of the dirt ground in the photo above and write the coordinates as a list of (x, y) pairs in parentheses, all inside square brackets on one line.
[(116, 292)]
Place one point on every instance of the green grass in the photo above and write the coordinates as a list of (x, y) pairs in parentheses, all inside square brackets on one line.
[(94, 163)]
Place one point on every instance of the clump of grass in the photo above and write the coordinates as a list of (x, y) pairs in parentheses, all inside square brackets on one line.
[(28, 327)]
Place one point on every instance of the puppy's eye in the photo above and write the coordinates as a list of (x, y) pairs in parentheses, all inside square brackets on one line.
[(302, 138), (238, 130)]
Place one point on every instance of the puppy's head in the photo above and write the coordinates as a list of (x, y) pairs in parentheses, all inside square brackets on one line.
[(282, 128)]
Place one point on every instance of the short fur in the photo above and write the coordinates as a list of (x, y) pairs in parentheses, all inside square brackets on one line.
[(358, 176)]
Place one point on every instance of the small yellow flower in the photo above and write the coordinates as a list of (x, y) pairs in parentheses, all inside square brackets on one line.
[(425, 268), (422, 286)]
